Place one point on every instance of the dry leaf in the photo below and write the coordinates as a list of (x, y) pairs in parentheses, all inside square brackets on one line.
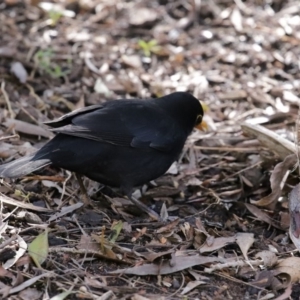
[(290, 266), (61, 296), (177, 263), (287, 293), (151, 256), (29, 282), (277, 180), (245, 241), (294, 208), (269, 258), (260, 215), (169, 227), (28, 128), (30, 293), (142, 16), (86, 243), (22, 249), (218, 243), (19, 71), (191, 285), (270, 139)]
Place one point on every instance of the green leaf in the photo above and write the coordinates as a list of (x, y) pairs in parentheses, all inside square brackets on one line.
[(116, 229), (38, 248), (152, 43)]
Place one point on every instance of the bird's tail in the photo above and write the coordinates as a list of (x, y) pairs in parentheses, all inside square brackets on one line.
[(23, 166)]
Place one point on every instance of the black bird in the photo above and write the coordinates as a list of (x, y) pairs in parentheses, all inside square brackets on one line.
[(122, 143)]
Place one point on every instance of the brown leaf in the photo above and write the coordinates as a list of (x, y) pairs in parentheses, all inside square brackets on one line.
[(290, 266), (287, 293), (277, 180), (27, 128), (177, 263), (260, 215), (86, 243), (151, 256), (169, 227), (30, 293), (269, 258), (191, 285), (270, 139), (218, 243), (294, 208), (245, 241)]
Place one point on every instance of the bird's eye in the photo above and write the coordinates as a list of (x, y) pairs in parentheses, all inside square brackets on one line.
[(198, 120)]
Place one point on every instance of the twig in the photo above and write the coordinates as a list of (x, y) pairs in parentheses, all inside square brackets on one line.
[(65, 184), (270, 139), (29, 206), (3, 138), (245, 169), (85, 252), (234, 264), (5, 95), (33, 94), (177, 291), (7, 242), (228, 149)]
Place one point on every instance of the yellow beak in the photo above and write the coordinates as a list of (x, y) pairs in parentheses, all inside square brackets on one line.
[(202, 126)]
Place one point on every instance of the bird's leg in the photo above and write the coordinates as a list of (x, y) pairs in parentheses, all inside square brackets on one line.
[(144, 208), (85, 198)]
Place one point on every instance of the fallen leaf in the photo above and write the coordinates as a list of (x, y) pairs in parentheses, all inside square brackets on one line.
[(287, 293), (65, 210), (142, 16), (151, 256), (245, 241), (116, 229), (19, 71), (191, 285), (270, 139), (290, 266), (269, 258), (30, 293), (29, 282), (218, 243), (294, 208), (133, 61), (22, 249), (38, 249), (28, 128), (259, 214), (177, 263), (277, 180), (61, 296), (86, 243), (10, 201), (169, 227)]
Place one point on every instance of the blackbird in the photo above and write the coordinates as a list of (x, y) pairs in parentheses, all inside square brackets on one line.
[(122, 143)]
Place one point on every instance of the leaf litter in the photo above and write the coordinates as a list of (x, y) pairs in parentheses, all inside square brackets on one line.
[(227, 203)]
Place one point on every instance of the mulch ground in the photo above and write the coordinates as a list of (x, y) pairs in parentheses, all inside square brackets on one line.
[(229, 231)]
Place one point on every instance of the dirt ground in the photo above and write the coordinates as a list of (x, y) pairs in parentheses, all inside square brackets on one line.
[(230, 231)]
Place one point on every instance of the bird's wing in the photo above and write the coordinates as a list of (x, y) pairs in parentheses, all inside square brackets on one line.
[(67, 118), (127, 123)]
